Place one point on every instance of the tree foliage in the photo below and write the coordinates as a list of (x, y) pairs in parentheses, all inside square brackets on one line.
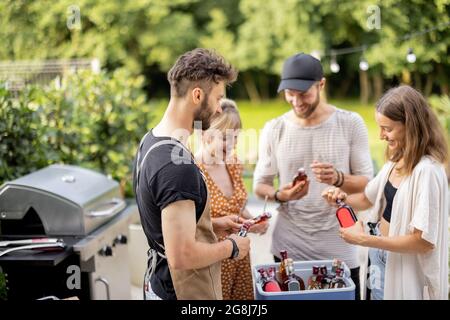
[(146, 36)]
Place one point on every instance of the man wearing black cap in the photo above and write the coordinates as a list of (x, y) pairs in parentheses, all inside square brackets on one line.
[(331, 144)]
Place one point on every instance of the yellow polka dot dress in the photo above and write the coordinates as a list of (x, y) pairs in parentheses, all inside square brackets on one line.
[(237, 283)]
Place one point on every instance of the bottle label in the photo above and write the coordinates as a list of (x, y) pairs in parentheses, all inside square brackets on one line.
[(271, 286), (293, 286)]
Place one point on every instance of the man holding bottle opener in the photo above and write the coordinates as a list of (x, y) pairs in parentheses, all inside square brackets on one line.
[(326, 143)]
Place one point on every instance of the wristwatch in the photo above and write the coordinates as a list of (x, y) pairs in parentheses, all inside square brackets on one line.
[(235, 252)]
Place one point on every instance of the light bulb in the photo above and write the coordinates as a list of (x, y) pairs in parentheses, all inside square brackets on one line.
[(363, 65), (411, 57), (334, 66)]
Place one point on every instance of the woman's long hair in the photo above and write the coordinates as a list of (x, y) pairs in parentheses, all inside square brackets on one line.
[(424, 134)]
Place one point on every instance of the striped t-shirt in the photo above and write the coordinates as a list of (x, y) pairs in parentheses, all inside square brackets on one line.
[(308, 228)]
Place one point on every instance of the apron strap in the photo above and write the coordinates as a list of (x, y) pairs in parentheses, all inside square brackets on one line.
[(139, 165), (152, 256)]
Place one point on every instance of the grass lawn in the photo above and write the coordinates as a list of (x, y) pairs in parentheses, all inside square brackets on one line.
[(254, 116)]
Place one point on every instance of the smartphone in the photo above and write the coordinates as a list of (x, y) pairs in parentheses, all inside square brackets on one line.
[(299, 176), (346, 216)]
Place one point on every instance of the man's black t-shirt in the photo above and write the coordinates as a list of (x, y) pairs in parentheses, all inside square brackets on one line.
[(168, 174)]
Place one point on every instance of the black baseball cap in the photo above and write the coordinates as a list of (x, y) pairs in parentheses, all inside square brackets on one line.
[(300, 72)]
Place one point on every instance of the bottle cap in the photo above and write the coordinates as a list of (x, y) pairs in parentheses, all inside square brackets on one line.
[(316, 270)]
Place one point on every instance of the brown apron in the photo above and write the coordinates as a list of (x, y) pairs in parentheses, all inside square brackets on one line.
[(193, 284), (204, 283)]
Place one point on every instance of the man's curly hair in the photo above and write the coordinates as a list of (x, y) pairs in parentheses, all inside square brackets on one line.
[(199, 67)]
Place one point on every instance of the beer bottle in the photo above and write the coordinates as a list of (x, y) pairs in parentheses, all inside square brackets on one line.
[(338, 280), (281, 275)]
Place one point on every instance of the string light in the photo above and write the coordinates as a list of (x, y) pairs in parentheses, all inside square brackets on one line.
[(411, 57), (334, 66), (363, 64)]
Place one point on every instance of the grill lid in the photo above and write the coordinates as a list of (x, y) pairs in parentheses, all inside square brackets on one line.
[(68, 200), (73, 183)]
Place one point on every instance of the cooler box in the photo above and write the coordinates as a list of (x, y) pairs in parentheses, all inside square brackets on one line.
[(304, 270)]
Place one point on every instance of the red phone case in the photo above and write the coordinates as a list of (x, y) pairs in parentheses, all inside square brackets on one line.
[(346, 216)]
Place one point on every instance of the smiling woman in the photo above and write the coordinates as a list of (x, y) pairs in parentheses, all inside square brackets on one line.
[(411, 128), (409, 200)]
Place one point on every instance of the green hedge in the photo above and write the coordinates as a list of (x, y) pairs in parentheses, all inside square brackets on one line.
[(86, 119)]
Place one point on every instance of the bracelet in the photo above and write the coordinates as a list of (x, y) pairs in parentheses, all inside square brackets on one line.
[(276, 198), (343, 179), (340, 180)]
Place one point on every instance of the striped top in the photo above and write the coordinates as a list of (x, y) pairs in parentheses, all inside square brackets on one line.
[(308, 227)]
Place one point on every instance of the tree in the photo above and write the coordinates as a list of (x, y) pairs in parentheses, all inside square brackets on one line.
[(270, 33), (118, 32), (146, 36), (402, 23)]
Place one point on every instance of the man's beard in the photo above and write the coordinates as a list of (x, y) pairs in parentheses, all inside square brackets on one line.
[(310, 108), (203, 115)]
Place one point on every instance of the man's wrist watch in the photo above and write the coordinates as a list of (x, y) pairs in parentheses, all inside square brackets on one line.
[(235, 252)]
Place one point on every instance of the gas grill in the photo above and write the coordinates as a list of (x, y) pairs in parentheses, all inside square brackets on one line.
[(87, 211)]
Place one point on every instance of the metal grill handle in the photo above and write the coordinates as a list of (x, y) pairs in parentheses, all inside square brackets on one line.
[(106, 283), (118, 204)]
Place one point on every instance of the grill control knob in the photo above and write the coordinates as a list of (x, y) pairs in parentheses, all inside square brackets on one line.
[(106, 251), (120, 239)]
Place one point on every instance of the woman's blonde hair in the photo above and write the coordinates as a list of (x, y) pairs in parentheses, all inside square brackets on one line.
[(424, 134), (228, 119)]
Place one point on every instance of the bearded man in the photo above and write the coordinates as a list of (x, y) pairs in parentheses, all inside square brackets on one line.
[(332, 145), (184, 260)]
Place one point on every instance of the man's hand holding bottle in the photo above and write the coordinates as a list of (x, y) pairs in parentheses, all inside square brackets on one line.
[(292, 191)]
